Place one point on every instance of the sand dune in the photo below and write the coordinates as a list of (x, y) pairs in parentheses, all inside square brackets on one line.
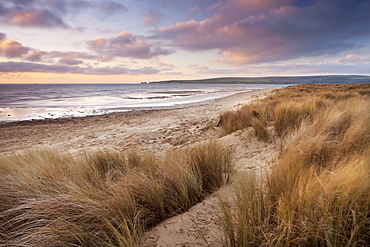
[(157, 131)]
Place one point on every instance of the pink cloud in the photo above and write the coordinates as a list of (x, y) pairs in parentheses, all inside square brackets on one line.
[(208, 34), (36, 55), (98, 43), (69, 61), (53, 13), (258, 31), (153, 17), (66, 57), (215, 6), (126, 45), (35, 18), (12, 49), (355, 58)]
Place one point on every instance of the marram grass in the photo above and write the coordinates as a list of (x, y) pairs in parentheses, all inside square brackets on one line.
[(102, 198), (318, 192), (288, 107)]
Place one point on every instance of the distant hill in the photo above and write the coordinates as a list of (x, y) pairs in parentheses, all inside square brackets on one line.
[(337, 79)]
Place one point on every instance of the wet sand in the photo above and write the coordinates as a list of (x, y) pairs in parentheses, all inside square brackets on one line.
[(155, 130)]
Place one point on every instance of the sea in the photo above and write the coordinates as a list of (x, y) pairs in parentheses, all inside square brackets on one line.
[(20, 102)]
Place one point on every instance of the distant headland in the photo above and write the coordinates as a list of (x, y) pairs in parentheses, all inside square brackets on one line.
[(328, 79)]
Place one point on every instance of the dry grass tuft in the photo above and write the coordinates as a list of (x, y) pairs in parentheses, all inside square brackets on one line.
[(211, 163), (288, 107), (103, 198), (289, 115), (254, 115), (318, 194)]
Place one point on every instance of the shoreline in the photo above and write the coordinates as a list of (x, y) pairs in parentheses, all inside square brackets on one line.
[(127, 111), (156, 130), (24, 103), (117, 110)]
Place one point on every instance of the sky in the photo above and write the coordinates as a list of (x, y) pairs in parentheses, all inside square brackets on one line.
[(130, 41)]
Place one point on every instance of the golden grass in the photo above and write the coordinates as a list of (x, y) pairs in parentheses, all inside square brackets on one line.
[(289, 115), (102, 198), (318, 193), (288, 107), (254, 115)]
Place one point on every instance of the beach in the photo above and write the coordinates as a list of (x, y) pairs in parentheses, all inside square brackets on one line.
[(158, 132), (154, 130), (164, 140)]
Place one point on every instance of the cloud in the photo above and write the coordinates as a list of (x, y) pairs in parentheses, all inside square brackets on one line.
[(12, 49), (105, 7), (2, 36), (166, 66), (70, 55), (65, 57), (23, 2), (153, 17), (322, 68), (199, 66), (27, 14), (145, 71), (185, 5), (36, 67), (257, 31), (36, 56), (35, 18), (17, 67), (354, 58), (126, 45), (70, 61), (53, 13), (110, 7)]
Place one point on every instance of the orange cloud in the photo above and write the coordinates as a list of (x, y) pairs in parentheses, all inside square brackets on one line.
[(12, 49)]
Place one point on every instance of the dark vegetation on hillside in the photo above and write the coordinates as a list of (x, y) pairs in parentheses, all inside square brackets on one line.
[(290, 80)]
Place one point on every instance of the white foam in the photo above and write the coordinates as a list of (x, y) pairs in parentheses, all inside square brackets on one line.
[(139, 98)]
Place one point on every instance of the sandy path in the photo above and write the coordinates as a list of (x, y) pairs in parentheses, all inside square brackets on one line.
[(200, 226), (155, 131)]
